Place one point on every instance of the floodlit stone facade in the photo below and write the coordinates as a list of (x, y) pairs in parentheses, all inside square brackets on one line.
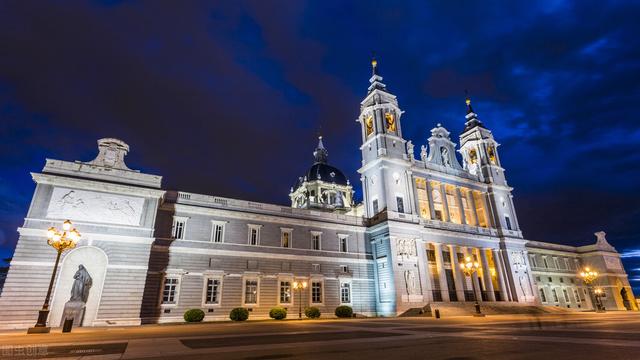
[(152, 254)]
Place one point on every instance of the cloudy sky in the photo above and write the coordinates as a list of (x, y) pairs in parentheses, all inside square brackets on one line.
[(227, 99)]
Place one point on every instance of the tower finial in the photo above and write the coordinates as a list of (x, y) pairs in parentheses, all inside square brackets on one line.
[(468, 102), (374, 65), (320, 154)]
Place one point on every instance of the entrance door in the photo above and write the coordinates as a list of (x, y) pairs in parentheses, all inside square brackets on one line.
[(625, 299), (451, 285)]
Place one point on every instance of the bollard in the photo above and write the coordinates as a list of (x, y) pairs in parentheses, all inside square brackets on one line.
[(68, 324), (437, 312)]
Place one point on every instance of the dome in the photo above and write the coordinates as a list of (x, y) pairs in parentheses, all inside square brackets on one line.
[(324, 172)]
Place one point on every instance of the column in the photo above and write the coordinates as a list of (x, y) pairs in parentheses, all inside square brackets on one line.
[(425, 276), (442, 277), (501, 279), (508, 281), (430, 199), (474, 278), (486, 274), (411, 188), (463, 220), (458, 276), (445, 204), (472, 202)]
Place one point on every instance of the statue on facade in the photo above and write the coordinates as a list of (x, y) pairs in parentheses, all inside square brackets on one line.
[(423, 153), (410, 149), (81, 285), (410, 282), (74, 308)]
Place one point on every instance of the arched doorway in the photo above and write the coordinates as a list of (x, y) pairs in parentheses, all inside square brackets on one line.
[(625, 299), (95, 262)]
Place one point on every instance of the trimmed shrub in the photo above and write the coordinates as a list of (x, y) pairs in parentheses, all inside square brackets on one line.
[(344, 311), (239, 314), (312, 312), (278, 313), (193, 315)]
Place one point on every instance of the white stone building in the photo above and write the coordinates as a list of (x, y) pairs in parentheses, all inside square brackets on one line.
[(152, 254)]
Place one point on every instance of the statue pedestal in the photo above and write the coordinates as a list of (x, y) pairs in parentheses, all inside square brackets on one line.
[(73, 310)]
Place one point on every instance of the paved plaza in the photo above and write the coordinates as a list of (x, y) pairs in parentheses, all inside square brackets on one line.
[(614, 335)]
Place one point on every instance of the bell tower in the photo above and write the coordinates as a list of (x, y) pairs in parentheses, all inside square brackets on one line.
[(480, 156), (385, 167)]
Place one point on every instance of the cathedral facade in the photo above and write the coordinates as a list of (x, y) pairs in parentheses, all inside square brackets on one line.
[(151, 254)]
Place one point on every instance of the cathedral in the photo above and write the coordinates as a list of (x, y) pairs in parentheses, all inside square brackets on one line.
[(146, 255)]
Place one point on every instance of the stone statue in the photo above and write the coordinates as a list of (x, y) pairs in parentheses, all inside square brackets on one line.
[(410, 149), (81, 285), (445, 157), (410, 282), (74, 308), (423, 153)]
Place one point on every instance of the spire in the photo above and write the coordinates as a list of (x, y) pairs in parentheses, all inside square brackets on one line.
[(375, 80), (472, 117), (320, 153)]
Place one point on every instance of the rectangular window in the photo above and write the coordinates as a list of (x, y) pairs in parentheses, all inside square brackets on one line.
[(345, 293), (452, 203), (316, 292), (285, 238), (285, 292), (556, 263), (532, 258), (251, 292), (544, 261), (344, 269), (254, 234), (375, 206), (446, 257), (555, 295), (343, 243), (576, 295), (566, 295), (400, 203), (543, 297), (431, 255), (566, 264), (217, 232), (170, 290), (508, 221), (213, 291), (423, 198), (315, 268), (477, 199), (178, 228), (315, 240), (468, 211)]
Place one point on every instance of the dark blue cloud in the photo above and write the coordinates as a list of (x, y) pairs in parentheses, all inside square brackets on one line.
[(227, 98)]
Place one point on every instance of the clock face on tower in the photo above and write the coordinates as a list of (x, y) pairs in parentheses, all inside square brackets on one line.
[(369, 124), (391, 122)]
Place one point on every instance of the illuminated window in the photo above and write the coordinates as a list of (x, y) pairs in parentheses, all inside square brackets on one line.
[(438, 208), (423, 198), (251, 291), (285, 292), (468, 211), (482, 219), (452, 203), (285, 237)]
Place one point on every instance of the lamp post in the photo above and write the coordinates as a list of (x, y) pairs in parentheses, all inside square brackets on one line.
[(469, 267), (61, 241), (589, 277), (299, 286)]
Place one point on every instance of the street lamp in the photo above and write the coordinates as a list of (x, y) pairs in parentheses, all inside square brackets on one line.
[(589, 277), (61, 241), (469, 267), (299, 286)]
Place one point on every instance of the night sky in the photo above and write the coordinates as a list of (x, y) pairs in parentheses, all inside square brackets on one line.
[(227, 99)]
